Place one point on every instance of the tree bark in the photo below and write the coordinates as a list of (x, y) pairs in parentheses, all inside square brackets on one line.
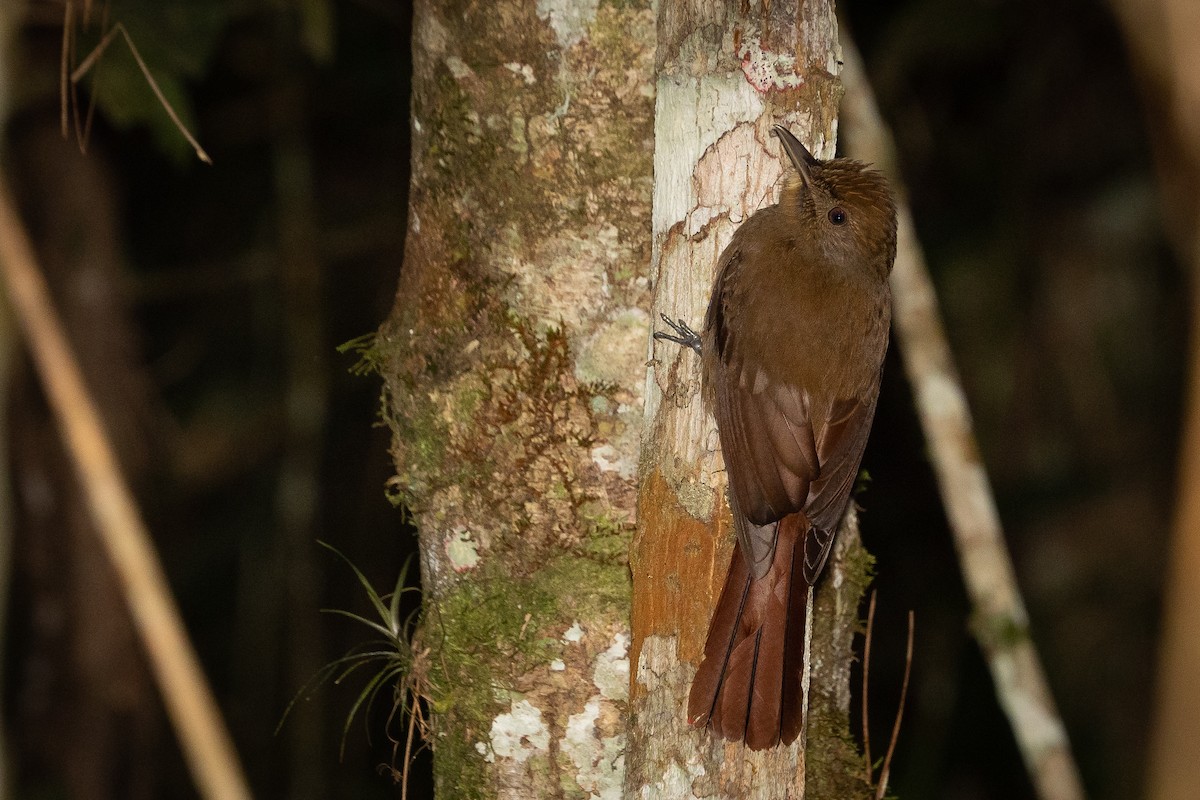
[(1161, 36), (514, 370), (1174, 742), (725, 73)]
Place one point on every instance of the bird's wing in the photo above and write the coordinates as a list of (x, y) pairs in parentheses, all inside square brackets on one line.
[(770, 451), (777, 465), (841, 441), (779, 459)]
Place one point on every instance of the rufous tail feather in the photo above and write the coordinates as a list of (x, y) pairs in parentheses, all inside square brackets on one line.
[(750, 683)]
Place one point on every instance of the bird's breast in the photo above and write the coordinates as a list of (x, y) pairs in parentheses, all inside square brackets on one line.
[(815, 329)]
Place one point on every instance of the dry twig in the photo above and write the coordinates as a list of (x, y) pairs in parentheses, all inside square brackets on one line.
[(885, 771), (886, 767), (68, 96), (866, 683), (206, 743)]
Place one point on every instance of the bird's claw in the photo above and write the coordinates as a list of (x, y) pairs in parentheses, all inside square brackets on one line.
[(684, 335)]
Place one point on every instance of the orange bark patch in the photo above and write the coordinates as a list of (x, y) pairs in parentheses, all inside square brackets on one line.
[(678, 564)]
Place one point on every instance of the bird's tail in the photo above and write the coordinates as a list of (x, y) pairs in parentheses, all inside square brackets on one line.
[(750, 684)]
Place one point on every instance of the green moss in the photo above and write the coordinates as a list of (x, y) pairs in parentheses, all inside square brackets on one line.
[(485, 619), (835, 766), (835, 769), (492, 624), (608, 538), (584, 588), (370, 355), (626, 5), (468, 400), (425, 439), (492, 617), (484, 627), (458, 769), (859, 568), (999, 631)]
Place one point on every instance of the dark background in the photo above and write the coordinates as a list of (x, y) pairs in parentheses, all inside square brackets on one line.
[(1023, 136)]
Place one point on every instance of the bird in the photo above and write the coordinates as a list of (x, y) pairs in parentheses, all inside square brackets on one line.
[(792, 352)]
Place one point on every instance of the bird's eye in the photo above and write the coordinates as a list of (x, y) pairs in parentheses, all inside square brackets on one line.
[(837, 215)]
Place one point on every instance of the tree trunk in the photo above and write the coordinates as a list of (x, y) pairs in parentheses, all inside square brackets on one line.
[(724, 75), (514, 368)]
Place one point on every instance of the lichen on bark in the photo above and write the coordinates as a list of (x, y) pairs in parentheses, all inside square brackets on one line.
[(513, 365)]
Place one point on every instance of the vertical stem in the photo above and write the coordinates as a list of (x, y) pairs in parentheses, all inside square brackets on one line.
[(1173, 746)]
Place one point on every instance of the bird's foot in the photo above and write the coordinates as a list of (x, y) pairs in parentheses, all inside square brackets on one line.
[(684, 334)]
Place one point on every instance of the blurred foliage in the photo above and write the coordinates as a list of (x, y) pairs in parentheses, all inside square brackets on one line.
[(178, 40), (317, 31), (271, 89)]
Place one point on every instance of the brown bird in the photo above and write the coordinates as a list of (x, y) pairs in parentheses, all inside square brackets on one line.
[(792, 352)]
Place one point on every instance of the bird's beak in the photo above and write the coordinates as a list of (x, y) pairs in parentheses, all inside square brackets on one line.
[(801, 159)]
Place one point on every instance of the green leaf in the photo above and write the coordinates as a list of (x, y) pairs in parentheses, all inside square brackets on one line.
[(386, 631), (177, 37), (366, 584), (176, 40), (394, 608), (317, 30)]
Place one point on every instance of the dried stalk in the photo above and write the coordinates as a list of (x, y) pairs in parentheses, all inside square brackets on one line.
[(206, 743)]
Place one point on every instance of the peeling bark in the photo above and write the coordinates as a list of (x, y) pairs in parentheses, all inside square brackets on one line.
[(725, 73), (513, 363)]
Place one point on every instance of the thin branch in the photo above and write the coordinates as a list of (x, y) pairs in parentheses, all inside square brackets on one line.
[(98, 51), (83, 130), (408, 745), (866, 681), (84, 135), (1001, 623), (68, 29), (886, 770), (206, 743)]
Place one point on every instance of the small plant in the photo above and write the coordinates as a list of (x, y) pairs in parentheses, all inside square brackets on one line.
[(365, 347), (397, 662)]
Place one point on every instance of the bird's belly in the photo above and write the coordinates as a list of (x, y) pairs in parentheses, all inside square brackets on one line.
[(805, 346)]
